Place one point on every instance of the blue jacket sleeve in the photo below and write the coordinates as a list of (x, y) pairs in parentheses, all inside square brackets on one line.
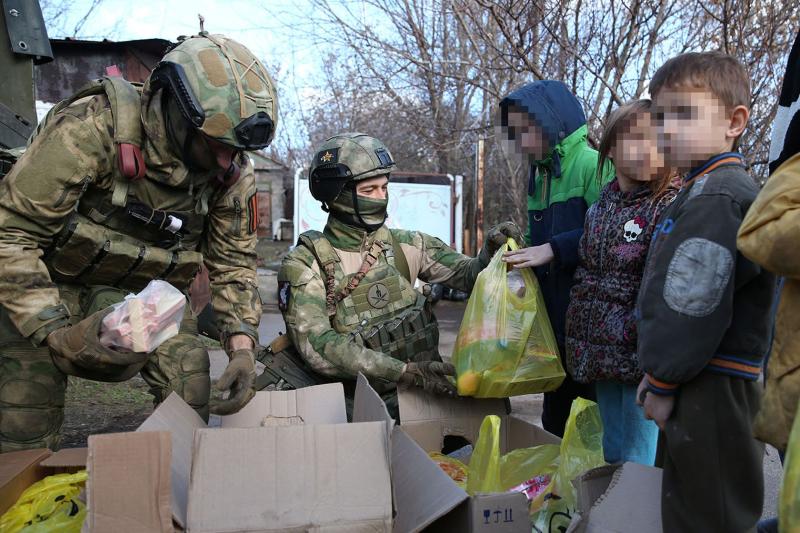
[(565, 248)]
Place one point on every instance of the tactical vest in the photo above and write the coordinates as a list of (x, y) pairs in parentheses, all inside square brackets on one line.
[(114, 237), (383, 311)]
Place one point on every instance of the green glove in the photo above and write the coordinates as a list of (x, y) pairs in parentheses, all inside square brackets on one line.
[(499, 234), (240, 379), (77, 351), (431, 376)]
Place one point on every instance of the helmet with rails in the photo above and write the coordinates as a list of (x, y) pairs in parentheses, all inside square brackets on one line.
[(344, 158), (219, 88)]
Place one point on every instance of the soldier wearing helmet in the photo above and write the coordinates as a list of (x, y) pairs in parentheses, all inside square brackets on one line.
[(347, 293), (122, 184)]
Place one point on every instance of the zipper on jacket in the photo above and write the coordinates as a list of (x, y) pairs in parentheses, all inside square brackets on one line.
[(237, 219)]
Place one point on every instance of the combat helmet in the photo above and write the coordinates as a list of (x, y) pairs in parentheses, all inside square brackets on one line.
[(221, 90), (344, 158)]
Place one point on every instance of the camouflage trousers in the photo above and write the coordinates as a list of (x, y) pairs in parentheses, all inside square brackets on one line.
[(32, 389)]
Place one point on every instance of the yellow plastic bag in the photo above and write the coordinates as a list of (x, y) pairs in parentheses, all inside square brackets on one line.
[(543, 473), (505, 346), (789, 500), (49, 505)]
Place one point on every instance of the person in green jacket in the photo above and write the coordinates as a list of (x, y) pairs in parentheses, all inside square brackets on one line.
[(547, 125)]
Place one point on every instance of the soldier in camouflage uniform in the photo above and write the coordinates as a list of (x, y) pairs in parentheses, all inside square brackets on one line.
[(347, 294), (120, 185)]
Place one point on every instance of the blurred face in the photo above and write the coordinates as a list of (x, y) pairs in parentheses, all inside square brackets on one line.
[(527, 137), (636, 154), (693, 125), (211, 154), (376, 188)]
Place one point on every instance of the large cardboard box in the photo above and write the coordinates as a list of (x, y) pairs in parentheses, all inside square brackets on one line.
[(618, 499), (288, 461), (424, 496)]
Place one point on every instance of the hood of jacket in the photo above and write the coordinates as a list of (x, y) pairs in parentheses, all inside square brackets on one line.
[(558, 113)]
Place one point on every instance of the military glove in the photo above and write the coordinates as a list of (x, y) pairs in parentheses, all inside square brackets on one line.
[(499, 234), (431, 376), (240, 379), (77, 351)]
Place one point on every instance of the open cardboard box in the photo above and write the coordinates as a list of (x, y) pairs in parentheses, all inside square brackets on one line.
[(424, 495), (20, 470), (603, 492), (288, 461)]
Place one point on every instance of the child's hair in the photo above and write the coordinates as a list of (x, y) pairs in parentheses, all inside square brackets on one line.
[(723, 75), (619, 123)]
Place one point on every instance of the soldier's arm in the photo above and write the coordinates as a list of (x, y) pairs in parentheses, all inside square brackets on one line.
[(229, 253), (438, 263), (36, 200), (302, 301)]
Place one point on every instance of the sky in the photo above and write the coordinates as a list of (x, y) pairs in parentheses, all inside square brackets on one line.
[(279, 32)]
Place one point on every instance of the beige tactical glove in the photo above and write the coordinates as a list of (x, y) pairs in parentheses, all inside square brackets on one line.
[(77, 351), (240, 379), (431, 376), (498, 235)]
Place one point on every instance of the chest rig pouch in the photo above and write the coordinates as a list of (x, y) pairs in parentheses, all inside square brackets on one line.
[(378, 305), (112, 238)]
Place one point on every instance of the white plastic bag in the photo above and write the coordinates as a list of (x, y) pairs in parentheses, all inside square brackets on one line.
[(144, 321)]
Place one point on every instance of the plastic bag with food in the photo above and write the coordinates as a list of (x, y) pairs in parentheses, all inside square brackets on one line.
[(50, 505), (142, 322), (505, 346)]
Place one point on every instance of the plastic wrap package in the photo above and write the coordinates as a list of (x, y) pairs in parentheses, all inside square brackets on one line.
[(505, 346), (452, 467), (49, 505), (789, 501), (144, 321), (543, 473)]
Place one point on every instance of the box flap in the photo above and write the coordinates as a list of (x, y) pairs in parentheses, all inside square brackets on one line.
[(416, 405), (18, 470), (369, 407), (177, 417), (632, 486), (524, 434), (590, 485), (129, 483), (67, 457), (298, 476), (320, 404), (423, 492)]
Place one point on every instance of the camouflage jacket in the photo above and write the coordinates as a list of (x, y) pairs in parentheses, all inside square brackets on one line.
[(338, 354), (74, 156)]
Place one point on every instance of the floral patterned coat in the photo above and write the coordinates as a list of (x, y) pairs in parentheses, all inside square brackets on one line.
[(601, 327)]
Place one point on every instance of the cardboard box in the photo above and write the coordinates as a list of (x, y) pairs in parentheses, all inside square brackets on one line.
[(288, 461), (618, 499), (19, 470), (424, 496)]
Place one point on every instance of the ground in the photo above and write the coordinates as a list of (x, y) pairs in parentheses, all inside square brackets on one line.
[(112, 407)]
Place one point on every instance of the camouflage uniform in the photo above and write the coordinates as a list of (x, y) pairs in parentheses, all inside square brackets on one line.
[(383, 323), (70, 243)]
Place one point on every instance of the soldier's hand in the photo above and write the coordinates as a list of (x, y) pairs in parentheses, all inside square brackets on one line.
[(431, 376), (80, 345), (499, 234), (239, 378)]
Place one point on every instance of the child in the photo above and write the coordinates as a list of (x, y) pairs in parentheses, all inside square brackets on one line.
[(704, 309), (546, 123), (601, 330)]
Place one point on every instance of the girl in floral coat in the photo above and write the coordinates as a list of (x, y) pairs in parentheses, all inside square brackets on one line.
[(601, 327)]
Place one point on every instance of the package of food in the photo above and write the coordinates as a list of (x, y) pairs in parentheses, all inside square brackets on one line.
[(51, 505), (506, 346), (452, 467), (142, 322)]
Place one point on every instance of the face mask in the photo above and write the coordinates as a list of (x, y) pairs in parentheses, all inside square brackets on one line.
[(359, 211)]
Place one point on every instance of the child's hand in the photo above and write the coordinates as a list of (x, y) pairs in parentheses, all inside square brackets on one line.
[(530, 257), (657, 408)]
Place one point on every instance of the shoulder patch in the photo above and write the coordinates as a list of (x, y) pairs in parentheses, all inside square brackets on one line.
[(284, 293), (697, 276)]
